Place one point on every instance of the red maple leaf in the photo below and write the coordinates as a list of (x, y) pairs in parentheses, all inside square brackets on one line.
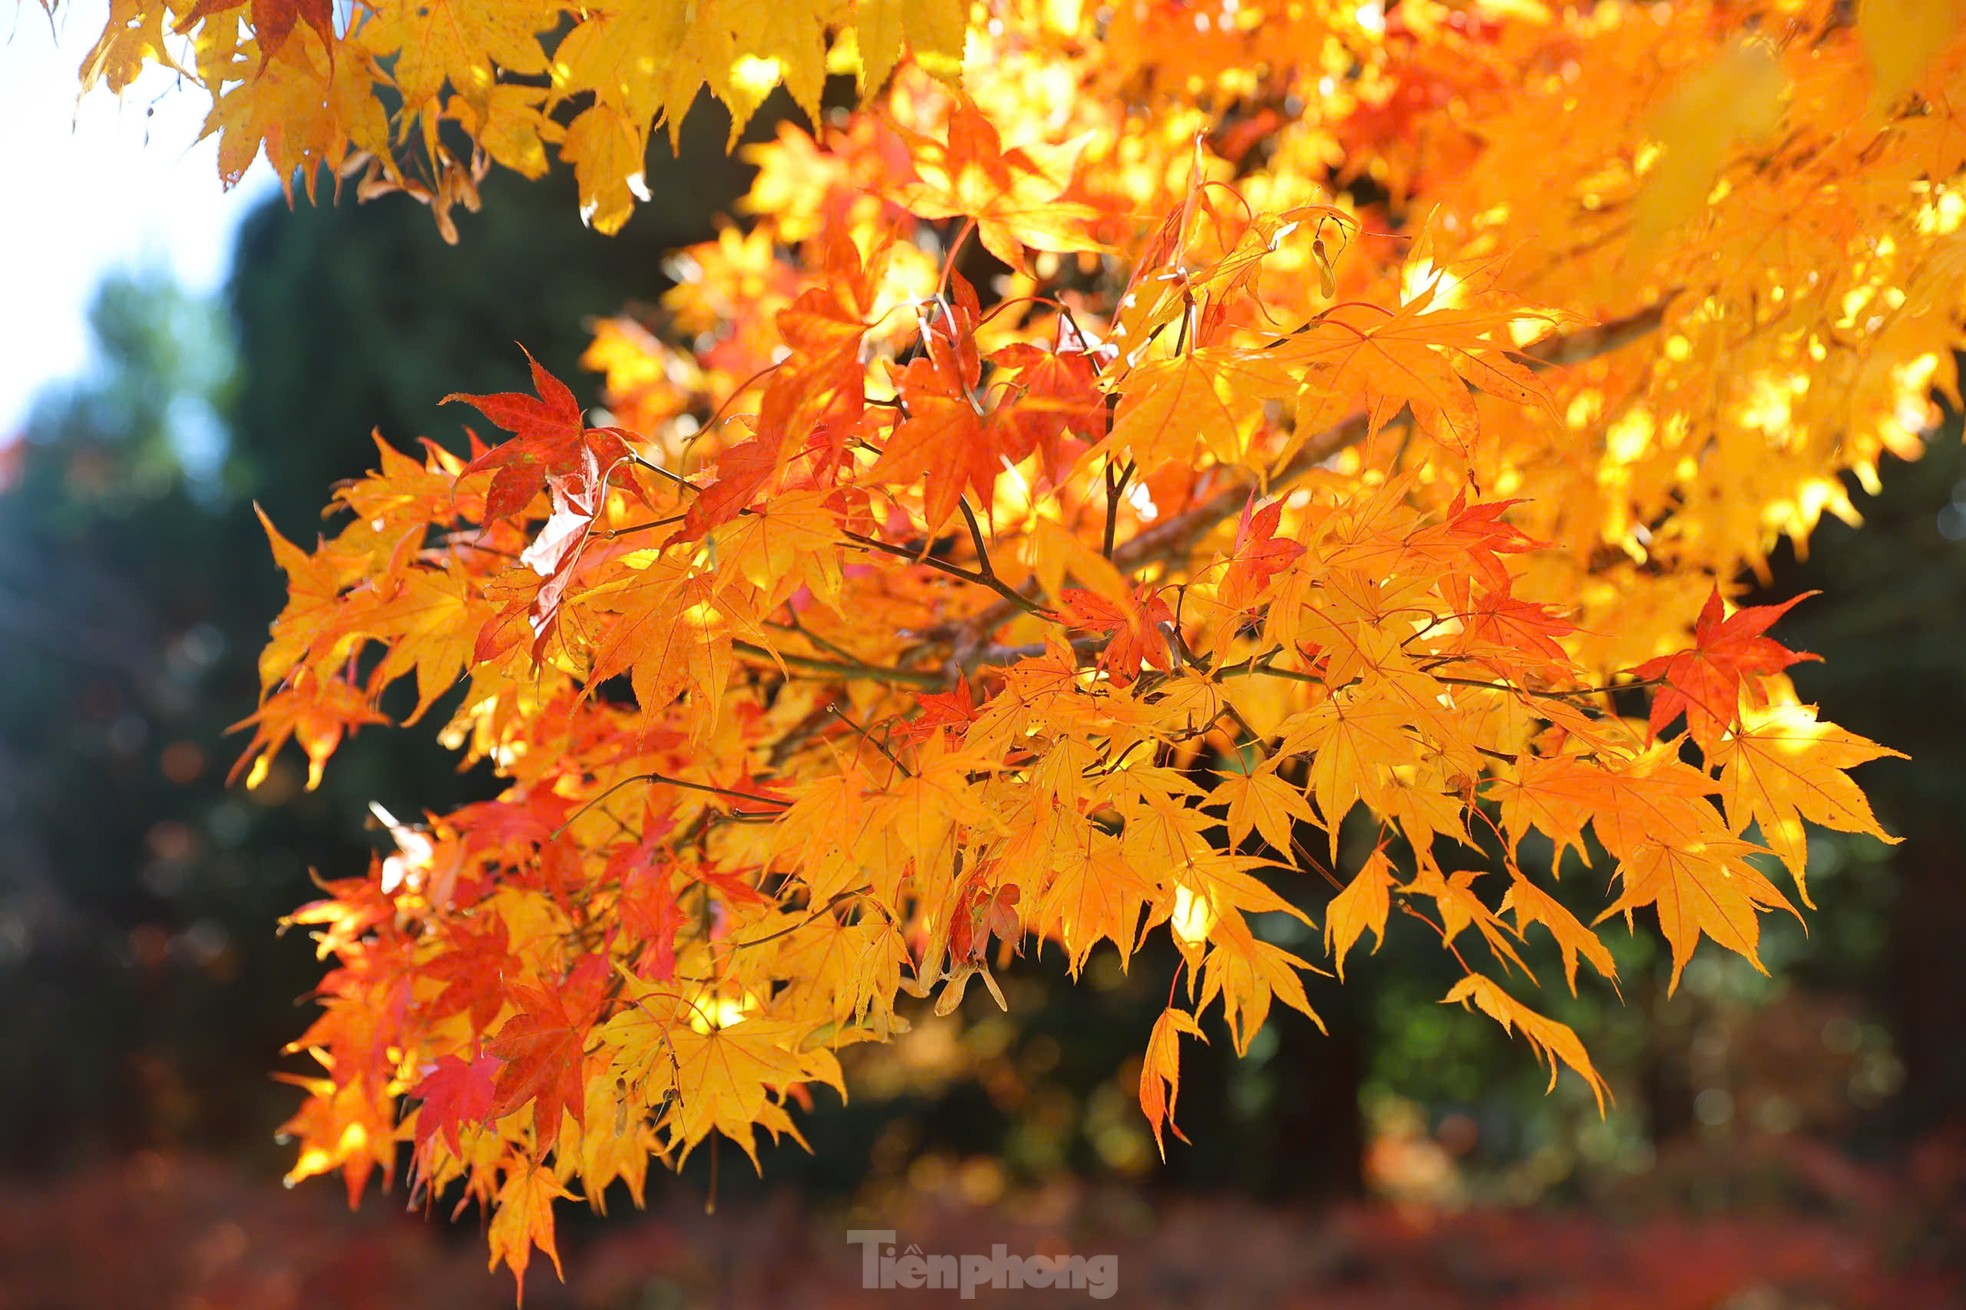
[(1259, 554), (1135, 629), (472, 967), (273, 21), (544, 1048), (1013, 196), (1053, 404), (946, 436), (822, 378), (648, 911), (742, 472), (455, 1093), (955, 708), (1727, 653), (550, 438)]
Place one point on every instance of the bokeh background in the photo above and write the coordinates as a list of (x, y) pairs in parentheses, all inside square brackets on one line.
[(1790, 1140)]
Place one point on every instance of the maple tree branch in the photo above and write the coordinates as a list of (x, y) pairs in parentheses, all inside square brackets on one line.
[(1251, 668), (983, 564), (833, 708), (1179, 532), (928, 678), (1011, 596), (611, 533), (662, 778), (1481, 685), (673, 476), (1115, 486)]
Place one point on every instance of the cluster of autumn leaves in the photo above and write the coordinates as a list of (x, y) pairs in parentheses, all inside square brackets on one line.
[(1325, 511)]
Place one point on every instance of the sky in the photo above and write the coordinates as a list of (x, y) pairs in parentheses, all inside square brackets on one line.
[(92, 186)]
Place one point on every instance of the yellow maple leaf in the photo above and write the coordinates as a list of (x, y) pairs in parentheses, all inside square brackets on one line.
[(1531, 904), (1783, 766), (1212, 396), (935, 32), (1264, 801), (523, 1220), (1246, 972), (1552, 1041), (1736, 98), (1364, 903), (606, 149), (1901, 37), (464, 42), (1702, 888), (724, 1077)]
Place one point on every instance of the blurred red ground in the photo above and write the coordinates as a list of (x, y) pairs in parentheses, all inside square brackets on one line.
[(173, 1233)]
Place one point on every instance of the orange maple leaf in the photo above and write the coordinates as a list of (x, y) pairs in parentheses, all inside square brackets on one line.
[(1014, 199), (1160, 1072), (1727, 655)]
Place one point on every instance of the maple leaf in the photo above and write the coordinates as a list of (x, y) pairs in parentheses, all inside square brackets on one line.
[(1056, 409), (955, 708), (1706, 888), (1900, 38), (273, 21), (455, 1092), (1425, 362), (339, 1127), (1014, 198), (551, 435), (575, 498), (934, 32), (1552, 1041), (822, 377), (606, 149), (1364, 903), (543, 1049), (724, 1075), (459, 42), (1264, 801), (1135, 629), (1095, 893), (471, 969), (1460, 908), (1735, 99), (1246, 974), (1781, 766), (431, 626), (649, 911), (312, 711), (1259, 554), (945, 439), (1160, 1072), (523, 1220), (1211, 395), (1729, 655), (1531, 904)]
